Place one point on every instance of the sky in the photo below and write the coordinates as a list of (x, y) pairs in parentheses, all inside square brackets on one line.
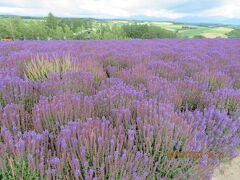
[(204, 10)]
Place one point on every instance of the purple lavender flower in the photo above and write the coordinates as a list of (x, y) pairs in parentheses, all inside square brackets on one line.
[(123, 107), (30, 157), (85, 164), (77, 172), (55, 161), (90, 171)]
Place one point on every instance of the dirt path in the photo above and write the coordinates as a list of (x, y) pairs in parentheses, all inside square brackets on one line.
[(228, 171)]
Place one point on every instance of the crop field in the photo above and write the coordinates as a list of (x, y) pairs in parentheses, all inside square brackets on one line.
[(139, 109), (206, 32), (189, 31), (169, 26), (182, 30)]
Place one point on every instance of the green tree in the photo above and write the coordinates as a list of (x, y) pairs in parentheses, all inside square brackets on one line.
[(15, 27), (68, 33), (139, 31), (158, 32), (135, 31), (51, 21), (36, 30), (4, 31), (118, 32), (57, 33)]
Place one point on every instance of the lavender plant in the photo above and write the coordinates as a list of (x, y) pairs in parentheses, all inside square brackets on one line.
[(152, 109)]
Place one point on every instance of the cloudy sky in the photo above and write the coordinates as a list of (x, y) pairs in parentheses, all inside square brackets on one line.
[(169, 9)]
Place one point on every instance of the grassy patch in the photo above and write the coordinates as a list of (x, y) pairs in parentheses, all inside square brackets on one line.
[(231, 106), (214, 84), (18, 169), (39, 68)]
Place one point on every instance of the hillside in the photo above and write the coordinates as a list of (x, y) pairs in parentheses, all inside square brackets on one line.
[(51, 27)]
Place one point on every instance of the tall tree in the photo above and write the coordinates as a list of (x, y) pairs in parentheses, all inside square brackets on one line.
[(51, 21), (4, 28)]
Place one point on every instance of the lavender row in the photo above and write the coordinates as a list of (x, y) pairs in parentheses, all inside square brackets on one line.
[(117, 109)]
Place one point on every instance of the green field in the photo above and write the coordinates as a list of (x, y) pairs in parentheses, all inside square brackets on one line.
[(190, 31), (186, 30), (207, 32)]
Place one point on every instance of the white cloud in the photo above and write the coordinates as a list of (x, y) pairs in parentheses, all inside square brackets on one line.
[(228, 9), (95, 8), (117, 8), (163, 13)]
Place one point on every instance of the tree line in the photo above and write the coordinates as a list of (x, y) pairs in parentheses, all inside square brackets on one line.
[(52, 27)]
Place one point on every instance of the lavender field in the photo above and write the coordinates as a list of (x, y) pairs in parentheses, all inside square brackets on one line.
[(118, 109)]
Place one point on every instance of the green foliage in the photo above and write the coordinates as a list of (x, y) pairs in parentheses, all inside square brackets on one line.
[(17, 28), (231, 106), (214, 84), (68, 33), (51, 21), (136, 31), (83, 34), (75, 23), (35, 30), (57, 33), (234, 33), (52, 27), (158, 32), (191, 101), (190, 104), (236, 84), (198, 36), (2, 101), (18, 169), (12, 27)]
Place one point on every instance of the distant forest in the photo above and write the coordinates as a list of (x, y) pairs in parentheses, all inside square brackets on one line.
[(52, 27)]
